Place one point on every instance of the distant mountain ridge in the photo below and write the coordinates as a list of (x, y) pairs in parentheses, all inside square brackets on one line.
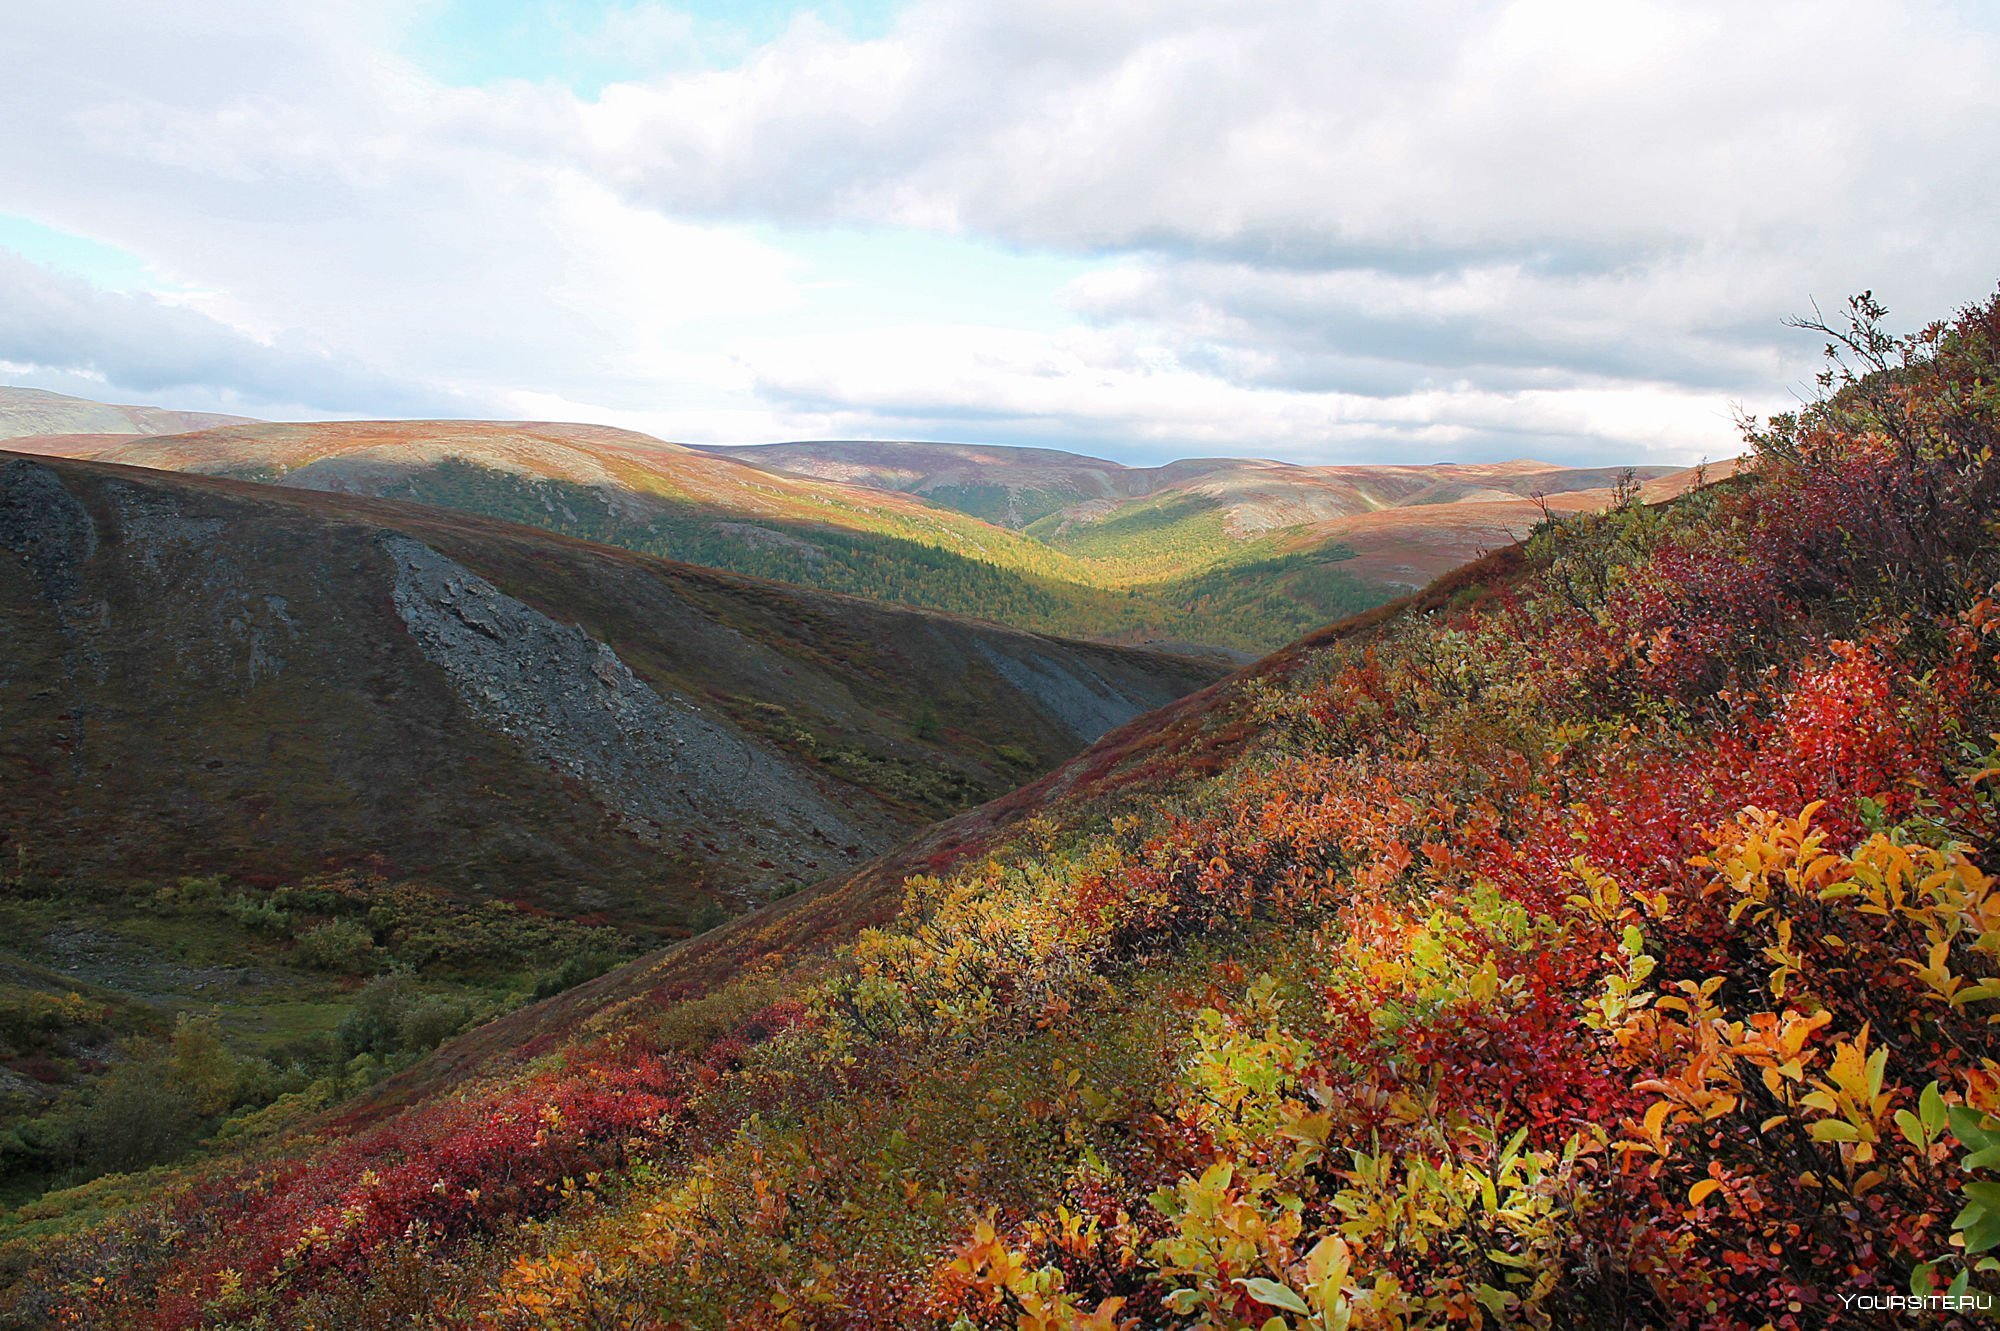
[(1223, 554), (1023, 487), (34, 411)]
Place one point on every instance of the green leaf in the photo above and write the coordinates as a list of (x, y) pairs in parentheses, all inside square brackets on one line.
[(1273, 1295), (1912, 1128), (1931, 1105), (1833, 1130), (1984, 1234), (1969, 1126)]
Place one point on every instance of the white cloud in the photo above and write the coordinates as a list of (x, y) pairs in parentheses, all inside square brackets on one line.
[(331, 195), (1104, 387), (1300, 128), (1566, 227), (142, 343)]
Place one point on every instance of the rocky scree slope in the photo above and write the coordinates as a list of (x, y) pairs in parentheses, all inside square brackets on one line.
[(203, 676)]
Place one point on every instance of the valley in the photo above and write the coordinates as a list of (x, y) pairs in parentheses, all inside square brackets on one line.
[(266, 751), (1178, 1010), (1230, 555)]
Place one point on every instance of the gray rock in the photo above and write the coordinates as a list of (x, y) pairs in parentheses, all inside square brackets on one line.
[(45, 525), (1082, 701), (570, 701)]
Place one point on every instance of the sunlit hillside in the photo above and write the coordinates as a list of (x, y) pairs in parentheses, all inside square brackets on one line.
[(1220, 553)]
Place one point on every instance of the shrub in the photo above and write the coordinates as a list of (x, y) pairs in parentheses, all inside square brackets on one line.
[(392, 1016), (262, 916), (344, 947), (574, 971), (1014, 755), (140, 1116), (706, 916), (428, 1023)]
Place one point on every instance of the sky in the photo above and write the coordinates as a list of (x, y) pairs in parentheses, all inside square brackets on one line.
[(1316, 230)]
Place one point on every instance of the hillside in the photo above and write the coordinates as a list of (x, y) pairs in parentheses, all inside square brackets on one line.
[(1155, 526), (1605, 936), (32, 411), (1020, 487), (216, 677), (1010, 487), (275, 760), (1218, 553)]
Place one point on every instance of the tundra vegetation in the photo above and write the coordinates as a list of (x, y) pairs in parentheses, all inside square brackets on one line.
[(1606, 936)]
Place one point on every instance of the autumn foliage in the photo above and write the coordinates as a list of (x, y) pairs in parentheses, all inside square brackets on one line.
[(1615, 943)]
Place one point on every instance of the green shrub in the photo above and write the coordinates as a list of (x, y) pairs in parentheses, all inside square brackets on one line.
[(345, 947), (707, 915), (428, 1023), (392, 1016), (574, 971), (140, 1116), (262, 916)]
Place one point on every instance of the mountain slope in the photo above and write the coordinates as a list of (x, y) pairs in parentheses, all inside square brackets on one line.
[(630, 490), (1027, 487), (1186, 530), (203, 676), (32, 411), (1010, 487), (1220, 552), (1604, 937)]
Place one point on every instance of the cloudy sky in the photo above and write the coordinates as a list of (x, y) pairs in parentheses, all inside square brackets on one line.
[(1320, 230)]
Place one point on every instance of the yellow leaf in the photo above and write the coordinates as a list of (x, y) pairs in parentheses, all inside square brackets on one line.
[(1701, 1190)]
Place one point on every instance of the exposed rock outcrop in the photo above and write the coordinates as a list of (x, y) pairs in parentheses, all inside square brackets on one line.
[(569, 700)]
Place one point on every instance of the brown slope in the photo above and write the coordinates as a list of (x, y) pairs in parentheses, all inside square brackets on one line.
[(209, 676), (83, 446), (377, 458), (1420, 540)]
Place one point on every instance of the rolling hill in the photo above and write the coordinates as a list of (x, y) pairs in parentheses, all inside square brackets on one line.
[(630, 490), (294, 785), (1603, 936), (32, 411), (1154, 526), (204, 676), (1213, 553)]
